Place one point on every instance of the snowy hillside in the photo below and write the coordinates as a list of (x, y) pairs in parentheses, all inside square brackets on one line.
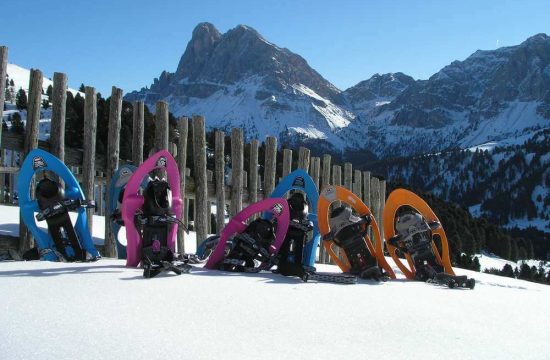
[(20, 76)]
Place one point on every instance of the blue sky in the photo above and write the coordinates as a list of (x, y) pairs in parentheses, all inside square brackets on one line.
[(128, 43)]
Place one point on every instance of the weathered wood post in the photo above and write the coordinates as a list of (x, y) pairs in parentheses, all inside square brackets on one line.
[(59, 110), (183, 129), (336, 180), (90, 129), (3, 69), (100, 186), (315, 171), (325, 178), (31, 142), (325, 181), (201, 186), (303, 158), (357, 184), (287, 162), (381, 206), (348, 176), (2, 176), (138, 125), (366, 188), (113, 152), (270, 165), (237, 147), (219, 149), (161, 126), (374, 196), (186, 205), (253, 172)]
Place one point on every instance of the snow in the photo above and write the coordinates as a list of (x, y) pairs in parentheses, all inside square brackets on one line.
[(104, 310), (491, 261), (21, 77)]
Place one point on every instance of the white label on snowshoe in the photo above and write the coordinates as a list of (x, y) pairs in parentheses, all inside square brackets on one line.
[(161, 162), (38, 162), (329, 193), (277, 209)]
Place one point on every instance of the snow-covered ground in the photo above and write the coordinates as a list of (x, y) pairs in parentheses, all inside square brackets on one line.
[(104, 310)]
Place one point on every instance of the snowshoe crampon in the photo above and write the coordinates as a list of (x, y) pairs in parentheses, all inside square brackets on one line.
[(366, 252), (247, 242), (400, 198), (63, 241)]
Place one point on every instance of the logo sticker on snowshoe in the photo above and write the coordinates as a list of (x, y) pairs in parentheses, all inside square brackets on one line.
[(329, 193), (123, 177), (299, 182), (277, 209), (161, 162), (38, 162)]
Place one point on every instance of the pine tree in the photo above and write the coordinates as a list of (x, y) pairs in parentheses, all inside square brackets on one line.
[(49, 91), (21, 100), (17, 124), (82, 88), (45, 104), (12, 83)]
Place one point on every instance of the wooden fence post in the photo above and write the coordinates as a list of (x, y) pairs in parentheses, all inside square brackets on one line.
[(381, 207), (138, 126), (3, 69), (316, 171), (4, 154), (357, 184), (253, 172), (185, 218), (348, 176), (366, 188), (374, 196), (236, 171), (270, 165), (31, 142), (90, 129), (183, 129), (287, 162), (219, 143), (201, 186), (326, 171), (303, 158), (113, 151), (59, 110), (161, 126)]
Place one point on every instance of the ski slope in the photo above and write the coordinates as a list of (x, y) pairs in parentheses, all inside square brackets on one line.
[(104, 310)]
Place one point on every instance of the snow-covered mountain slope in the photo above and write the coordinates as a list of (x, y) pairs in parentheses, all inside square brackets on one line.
[(495, 95), (104, 310), (239, 79)]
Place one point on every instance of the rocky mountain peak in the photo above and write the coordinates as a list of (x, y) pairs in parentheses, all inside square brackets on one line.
[(199, 50)]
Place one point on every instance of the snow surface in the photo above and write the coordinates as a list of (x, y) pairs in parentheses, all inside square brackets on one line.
[(104, 310), (21, 77)]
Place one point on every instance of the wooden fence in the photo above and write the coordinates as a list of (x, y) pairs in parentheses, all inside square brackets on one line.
[(201, 191)]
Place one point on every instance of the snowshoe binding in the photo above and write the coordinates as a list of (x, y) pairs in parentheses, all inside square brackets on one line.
[(155, 224)]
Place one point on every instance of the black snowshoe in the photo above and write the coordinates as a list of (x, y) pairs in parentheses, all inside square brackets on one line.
[(55, 210), (155, 223)]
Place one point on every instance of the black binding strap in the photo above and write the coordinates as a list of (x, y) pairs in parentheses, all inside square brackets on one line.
[(63, 206)]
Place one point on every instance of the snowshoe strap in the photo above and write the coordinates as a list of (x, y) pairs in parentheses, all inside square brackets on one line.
[(143, 220), (60, 257), (303, 225), (63, 206)]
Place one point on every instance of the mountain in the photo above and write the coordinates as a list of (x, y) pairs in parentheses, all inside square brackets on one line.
[(495, 95), (241, 79)]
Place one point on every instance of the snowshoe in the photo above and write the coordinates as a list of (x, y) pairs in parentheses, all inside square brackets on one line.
[(361, 255), (303, 201), (63, 241), (151, 218), (410, 226), (253, 247)]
